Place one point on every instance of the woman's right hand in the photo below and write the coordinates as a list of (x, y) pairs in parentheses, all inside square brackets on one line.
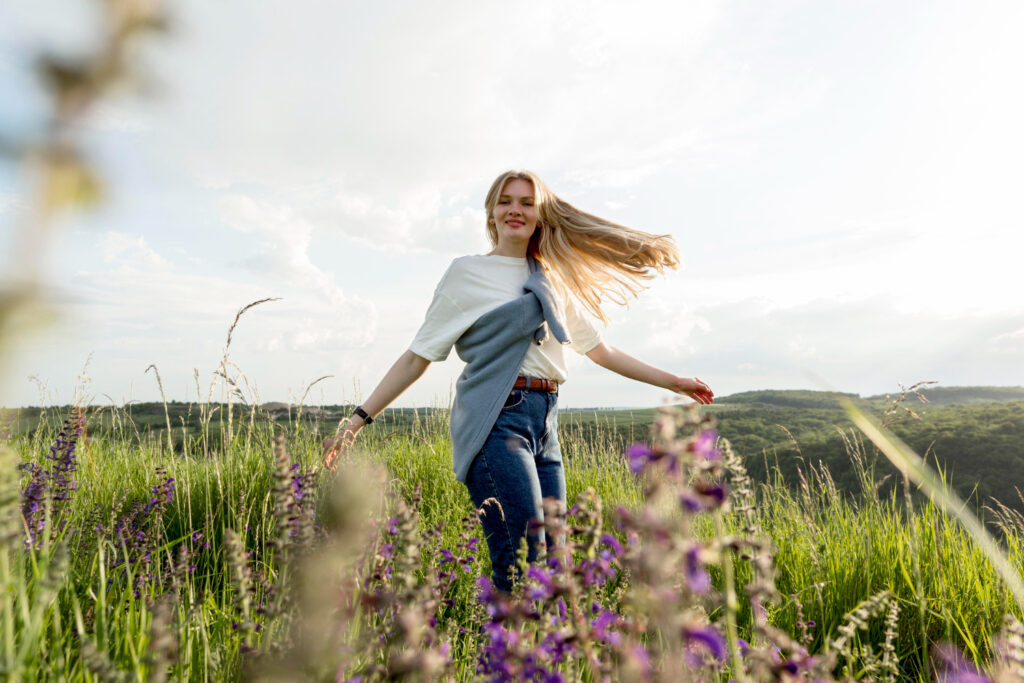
[(340, 442), (407, 369)]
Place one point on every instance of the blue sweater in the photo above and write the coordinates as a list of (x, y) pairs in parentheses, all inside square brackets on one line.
[(493, 349)]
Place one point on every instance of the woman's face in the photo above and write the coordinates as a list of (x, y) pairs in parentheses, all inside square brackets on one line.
[(515, 214)]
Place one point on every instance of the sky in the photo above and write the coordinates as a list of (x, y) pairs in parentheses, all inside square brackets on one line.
[(843, 180)]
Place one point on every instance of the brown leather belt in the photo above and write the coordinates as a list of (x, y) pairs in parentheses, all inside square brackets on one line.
[(536, 384)]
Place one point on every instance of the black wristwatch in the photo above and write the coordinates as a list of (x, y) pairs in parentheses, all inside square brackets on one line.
[(363, 414)]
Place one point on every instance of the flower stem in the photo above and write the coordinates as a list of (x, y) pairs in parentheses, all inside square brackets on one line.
[(731, 604)]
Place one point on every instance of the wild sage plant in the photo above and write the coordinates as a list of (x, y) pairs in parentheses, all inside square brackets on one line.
[(651, 599)]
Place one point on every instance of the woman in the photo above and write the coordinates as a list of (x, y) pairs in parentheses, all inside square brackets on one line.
[(500, 310)]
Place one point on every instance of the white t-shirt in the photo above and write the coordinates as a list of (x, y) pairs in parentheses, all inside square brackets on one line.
[(475, 285)]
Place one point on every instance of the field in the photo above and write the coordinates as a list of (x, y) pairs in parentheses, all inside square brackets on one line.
[(220, 550)]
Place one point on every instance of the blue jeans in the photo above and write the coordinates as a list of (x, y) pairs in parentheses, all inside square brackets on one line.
[(519, 465)]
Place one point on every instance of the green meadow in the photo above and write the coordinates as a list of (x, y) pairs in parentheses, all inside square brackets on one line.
[(221, 550)]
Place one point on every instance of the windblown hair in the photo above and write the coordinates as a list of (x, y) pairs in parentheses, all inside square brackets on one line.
[(591, 258)]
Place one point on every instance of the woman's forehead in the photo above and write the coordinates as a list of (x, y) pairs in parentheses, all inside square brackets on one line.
[(518, 187)]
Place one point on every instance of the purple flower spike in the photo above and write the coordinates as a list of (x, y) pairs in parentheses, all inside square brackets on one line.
[(562, 612), (639, 455), (543, 589), (613, 543), (704, 446), (704, 496), (602, 626), (709, 637), (716, 491), (696, 577), (952, 667), (691, 501)]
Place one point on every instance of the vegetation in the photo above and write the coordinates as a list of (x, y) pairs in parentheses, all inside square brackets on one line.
[(202, 542), (228, 558), (974, 435)]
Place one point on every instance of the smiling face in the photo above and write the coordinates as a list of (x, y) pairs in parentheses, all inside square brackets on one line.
[(514, 217)]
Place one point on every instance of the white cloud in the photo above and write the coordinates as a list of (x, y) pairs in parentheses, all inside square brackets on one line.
[(594, 94), (283, 252), (879, 241), (1012, 341), (419, 219), (865, 346), (143, 308), (134, 252)]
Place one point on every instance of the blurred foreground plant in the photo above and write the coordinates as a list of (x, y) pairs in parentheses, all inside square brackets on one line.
[(652, 599), (62, 176)]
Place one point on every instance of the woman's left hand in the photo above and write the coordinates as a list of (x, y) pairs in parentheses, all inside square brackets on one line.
[(694, 388)]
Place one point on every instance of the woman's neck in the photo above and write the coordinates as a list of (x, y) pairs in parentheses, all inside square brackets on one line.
[(512, 250)]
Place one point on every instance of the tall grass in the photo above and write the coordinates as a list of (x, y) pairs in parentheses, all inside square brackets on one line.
[(212, 580)]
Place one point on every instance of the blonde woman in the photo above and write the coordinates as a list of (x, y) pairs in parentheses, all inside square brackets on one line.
[(510, 314)]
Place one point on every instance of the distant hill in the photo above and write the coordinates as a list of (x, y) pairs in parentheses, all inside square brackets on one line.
[(787, 398), (939, 396), (949, 396)]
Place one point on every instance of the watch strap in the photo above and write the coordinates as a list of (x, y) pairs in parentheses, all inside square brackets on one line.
[(363, 414)]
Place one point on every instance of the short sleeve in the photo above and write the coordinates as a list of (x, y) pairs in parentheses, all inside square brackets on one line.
[(584, 335), (436, 335), (445, 320)]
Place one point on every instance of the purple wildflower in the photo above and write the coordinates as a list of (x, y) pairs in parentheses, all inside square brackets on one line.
[(614, 544), (163, 492), (704, 496), (300, 481), (697, 577), (54, 482), (542, 589), (601, 626), (704, 445), (640, 455), (952, 667), (707, 636)]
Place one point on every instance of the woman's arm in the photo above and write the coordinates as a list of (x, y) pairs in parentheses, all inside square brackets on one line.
[(620, 362), (407, 369)]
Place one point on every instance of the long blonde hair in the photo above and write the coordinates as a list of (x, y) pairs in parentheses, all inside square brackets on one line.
[(591, 258)]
